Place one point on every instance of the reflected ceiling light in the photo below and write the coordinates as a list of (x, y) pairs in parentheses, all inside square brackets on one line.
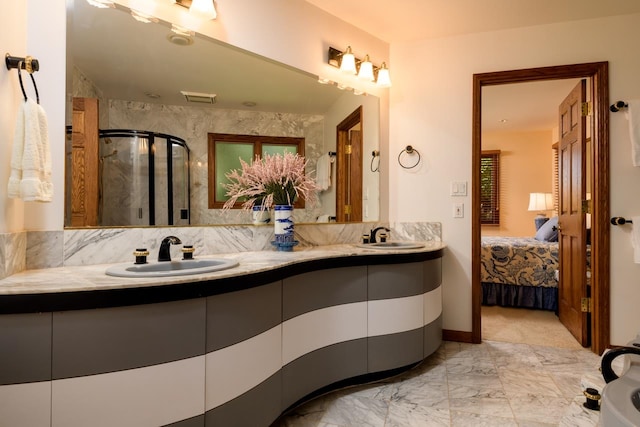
[(203, 98), (348, 61), (102, 4), (182, 31), (203, 8), (143, 17), (383, 80), (366, 70)]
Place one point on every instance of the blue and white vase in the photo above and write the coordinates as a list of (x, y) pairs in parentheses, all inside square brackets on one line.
[(260, 216), (284, 228)]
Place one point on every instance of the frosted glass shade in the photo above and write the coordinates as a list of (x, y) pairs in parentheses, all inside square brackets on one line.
[(384, 80), (348, 62), (204, 9), (366, 70)]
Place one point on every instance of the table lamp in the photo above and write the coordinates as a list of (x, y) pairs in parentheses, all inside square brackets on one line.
[(540, 202)]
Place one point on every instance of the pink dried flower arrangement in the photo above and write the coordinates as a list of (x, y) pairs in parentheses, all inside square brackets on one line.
[(273, 180)]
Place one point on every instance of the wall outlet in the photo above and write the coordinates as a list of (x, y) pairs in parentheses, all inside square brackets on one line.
[(458, 210)]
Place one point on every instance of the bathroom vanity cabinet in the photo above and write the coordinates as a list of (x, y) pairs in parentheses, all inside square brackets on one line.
[(228, 357)]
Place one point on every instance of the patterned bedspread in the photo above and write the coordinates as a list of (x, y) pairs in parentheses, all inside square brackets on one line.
[(519, 261)]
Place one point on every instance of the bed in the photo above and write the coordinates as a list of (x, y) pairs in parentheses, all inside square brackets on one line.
[(519, 272)]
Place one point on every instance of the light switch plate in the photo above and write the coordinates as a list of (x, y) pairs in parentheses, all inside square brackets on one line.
[(458, 188)]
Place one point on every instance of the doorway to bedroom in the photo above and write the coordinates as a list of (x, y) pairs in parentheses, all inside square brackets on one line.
[(521, 148)]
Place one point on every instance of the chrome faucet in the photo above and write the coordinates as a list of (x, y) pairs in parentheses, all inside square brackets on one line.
[(165, 254), (372, 238)]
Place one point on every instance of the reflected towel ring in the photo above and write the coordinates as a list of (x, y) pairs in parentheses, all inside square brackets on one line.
[(33, 80), (409, 150), (375, 154)]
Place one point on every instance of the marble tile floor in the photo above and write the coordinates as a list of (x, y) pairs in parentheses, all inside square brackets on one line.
[(488, 384)]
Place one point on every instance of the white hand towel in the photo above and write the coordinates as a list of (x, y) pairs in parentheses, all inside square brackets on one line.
[(323, 172), (31, 157), (633, 114), (635, 238), (323, 218)]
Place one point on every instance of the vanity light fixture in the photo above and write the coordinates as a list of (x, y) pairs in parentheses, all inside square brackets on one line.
[(102, 4), (203, 8), (383, 80), (348, 62), (365, 70)]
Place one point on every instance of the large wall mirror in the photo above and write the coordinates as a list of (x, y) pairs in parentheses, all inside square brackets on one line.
[(158, 158)]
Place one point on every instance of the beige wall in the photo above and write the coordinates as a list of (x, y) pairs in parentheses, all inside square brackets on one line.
[(526, 166), (431, 107)]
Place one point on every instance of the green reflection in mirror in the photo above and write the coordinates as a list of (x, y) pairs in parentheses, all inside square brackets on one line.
[(226, 150), (228, 155)]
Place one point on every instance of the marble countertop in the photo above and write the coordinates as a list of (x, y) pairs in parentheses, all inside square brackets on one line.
[(93, 277)]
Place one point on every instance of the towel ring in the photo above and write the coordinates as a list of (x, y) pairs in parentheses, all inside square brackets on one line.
[(409, 150), (375, 154), (33, 80)]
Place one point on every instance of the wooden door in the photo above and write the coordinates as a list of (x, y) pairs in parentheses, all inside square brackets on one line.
[(349, 168), (84, 163), (572, 235)]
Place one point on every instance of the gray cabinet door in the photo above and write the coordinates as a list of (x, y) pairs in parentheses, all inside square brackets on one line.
[(324, 330)]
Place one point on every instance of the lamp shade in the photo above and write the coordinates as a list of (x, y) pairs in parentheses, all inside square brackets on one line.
[(540, 202)]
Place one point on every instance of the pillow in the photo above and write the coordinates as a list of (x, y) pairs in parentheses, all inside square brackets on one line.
[(549, 231)]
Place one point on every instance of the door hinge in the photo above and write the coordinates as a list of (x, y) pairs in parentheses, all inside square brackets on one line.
[(347, 209), (586, 108), (586, 206), (347, 149), (585, 305)]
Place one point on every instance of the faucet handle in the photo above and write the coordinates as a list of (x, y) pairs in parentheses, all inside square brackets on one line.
[(187, 251)]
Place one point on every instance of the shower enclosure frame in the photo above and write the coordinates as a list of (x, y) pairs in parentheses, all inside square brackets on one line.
[(170, 140)]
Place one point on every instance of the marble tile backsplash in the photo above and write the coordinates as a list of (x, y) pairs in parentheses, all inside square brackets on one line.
[(48, 249), (13, 248)]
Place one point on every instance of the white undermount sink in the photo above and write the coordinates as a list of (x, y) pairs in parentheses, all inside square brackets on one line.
[(392, 245), (171, 268)]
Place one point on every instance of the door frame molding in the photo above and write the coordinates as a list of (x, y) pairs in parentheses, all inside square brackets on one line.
[(598, 72)]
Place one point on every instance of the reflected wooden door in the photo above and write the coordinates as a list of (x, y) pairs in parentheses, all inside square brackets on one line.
[(84, 163), (349, 168), (572, 235)]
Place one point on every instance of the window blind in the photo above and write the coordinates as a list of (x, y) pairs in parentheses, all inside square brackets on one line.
[(490, 187)]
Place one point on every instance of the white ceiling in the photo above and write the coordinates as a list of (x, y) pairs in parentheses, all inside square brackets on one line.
[(128, 60), (407, 20)]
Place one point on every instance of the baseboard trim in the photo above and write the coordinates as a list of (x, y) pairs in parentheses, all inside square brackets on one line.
[(457, 336)]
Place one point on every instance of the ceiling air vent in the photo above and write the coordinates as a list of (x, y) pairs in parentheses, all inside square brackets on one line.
[(202, 98)]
